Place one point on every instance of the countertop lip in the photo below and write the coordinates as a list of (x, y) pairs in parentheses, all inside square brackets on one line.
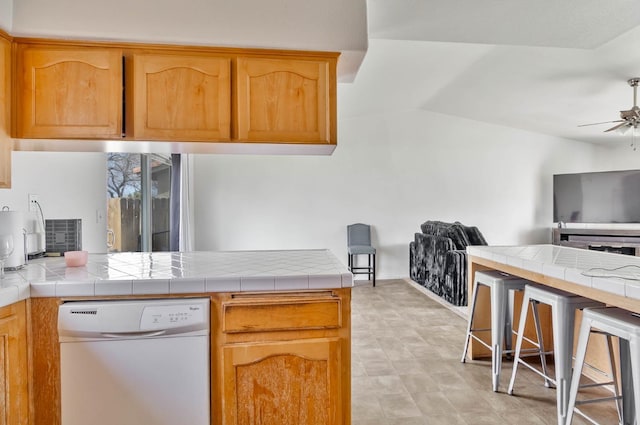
[(167, 273), (609, 272)]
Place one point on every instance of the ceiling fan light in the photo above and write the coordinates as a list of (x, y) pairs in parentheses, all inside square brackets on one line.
[(623, 129)]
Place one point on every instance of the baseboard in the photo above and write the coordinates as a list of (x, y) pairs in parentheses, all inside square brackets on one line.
[(460, 311)]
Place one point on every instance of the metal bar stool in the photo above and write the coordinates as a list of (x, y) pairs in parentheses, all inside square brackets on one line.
[(563, 309), (626, 326), (501, 286)]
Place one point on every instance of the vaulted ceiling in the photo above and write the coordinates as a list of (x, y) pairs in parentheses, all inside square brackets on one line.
[(545, 66)]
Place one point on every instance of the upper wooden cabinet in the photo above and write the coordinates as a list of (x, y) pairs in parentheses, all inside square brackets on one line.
[(178, 97), (285, 100), (82, 90), (69, 92), (5, 113)]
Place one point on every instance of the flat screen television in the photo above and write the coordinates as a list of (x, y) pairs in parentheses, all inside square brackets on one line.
[(603, 197)]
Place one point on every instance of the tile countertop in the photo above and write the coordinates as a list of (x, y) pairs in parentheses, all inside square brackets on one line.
[(615, 273), (137, 273)]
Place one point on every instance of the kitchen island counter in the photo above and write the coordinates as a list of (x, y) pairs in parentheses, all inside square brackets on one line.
[(165, 273), (267, 309), (613, 279)]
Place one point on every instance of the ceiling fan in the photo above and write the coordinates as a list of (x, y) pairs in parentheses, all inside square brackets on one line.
[(630, 118)]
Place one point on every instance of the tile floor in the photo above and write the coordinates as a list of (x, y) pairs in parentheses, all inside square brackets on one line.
[(406, 368)]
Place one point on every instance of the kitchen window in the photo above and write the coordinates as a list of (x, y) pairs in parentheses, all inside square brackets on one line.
[(143, 199)]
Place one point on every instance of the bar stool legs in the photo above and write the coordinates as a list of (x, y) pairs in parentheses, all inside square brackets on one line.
[(470, 330), (631, 351), (500, 285), (539, 343), (626, 326), (499, 333), (563, 307)]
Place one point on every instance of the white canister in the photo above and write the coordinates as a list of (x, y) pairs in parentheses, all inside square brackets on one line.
[(13, 223)]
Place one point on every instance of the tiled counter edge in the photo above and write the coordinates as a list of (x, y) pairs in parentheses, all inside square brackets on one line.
[(132, 274), (570, 264), (12, 293)]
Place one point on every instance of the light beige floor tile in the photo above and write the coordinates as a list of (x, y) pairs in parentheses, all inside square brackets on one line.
[(357, 368), (379, 367), (411, 366), (399, 406), (378, 385), (419, 382), (433, 403), (369, 421), (372, 353), (365, 407)]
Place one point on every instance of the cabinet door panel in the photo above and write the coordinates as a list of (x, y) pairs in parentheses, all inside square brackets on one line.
[(6, 143), (283, 100), (14, 397), (181, 98), (70, 93), (284, 383)]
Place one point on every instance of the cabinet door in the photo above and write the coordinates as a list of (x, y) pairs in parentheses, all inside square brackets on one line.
[(6, 143), (69, 92), (179, 97), (284, 383), (283, 100), (14, 389)]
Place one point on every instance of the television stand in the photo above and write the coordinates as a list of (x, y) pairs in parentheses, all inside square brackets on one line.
[(619, 241)]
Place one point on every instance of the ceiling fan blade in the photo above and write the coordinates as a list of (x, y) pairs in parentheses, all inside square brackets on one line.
[(615, 127), (598, 123)]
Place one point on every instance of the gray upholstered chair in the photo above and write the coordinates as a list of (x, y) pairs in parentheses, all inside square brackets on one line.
[(359, 243)]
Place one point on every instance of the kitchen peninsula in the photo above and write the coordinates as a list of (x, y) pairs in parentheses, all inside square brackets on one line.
[(610, 278), (293, 305)]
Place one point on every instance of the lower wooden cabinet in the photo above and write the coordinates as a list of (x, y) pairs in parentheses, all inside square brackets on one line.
[(284, 383), (14, 374), (277, 358), (281, 358)]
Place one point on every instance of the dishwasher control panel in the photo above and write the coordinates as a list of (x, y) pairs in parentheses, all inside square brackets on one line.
[(171, 316), (126, 319)]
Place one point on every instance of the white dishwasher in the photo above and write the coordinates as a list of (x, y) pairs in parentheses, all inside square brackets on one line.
[(135, 362)]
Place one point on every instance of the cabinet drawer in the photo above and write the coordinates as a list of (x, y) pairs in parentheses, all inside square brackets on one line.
[(261, 315)]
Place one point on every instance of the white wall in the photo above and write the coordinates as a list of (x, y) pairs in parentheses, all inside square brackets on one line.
[(393, 171), (68, 185), (6, 14), (266, 23), (622, 156), (334, 25)]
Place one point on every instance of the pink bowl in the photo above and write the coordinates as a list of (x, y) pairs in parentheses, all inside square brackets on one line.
[(76, 258)]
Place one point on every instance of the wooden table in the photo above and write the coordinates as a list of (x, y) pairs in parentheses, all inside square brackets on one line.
[(613, 279)]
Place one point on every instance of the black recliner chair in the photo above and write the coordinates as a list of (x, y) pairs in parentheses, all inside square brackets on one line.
[(438, 258)]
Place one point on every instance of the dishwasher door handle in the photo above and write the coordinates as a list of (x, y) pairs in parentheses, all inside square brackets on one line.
[(141, 334)]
